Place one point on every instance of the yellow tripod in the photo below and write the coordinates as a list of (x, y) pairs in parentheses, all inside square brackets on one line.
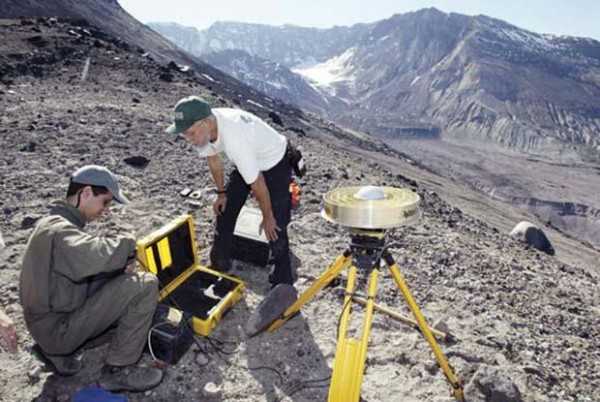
[(367, 251)]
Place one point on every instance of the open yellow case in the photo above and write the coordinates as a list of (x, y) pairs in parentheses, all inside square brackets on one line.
[(171, 254)]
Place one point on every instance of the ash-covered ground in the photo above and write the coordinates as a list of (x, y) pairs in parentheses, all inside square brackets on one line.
[(522, 319)]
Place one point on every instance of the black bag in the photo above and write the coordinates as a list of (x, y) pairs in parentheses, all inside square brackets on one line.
[(296, 160), (170, 335)]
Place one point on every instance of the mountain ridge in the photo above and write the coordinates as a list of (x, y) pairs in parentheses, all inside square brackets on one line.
[(467, 78)]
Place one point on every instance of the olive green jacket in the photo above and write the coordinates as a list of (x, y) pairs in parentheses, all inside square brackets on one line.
[(59, 261)]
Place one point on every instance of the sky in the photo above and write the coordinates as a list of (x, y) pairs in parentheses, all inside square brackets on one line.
[(561, 17)]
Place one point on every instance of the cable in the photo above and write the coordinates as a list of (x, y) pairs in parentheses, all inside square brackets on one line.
[(289, 388), (219, 350), (307, 385), (214, 343)]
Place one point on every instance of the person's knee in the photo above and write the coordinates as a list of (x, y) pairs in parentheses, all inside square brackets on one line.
[(145, 287), (149, 283), (143, 283)]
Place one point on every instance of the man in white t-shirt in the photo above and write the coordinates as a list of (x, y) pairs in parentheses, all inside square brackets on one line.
[(261, 165)]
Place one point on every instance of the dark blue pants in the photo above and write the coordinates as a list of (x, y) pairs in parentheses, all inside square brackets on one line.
[(278, 182)]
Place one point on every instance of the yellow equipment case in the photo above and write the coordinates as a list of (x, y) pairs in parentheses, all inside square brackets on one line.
[(171, 254)]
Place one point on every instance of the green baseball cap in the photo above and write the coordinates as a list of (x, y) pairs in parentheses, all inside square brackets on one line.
[(188, 111)]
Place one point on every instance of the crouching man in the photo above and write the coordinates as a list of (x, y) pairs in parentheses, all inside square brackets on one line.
[(75, 286)]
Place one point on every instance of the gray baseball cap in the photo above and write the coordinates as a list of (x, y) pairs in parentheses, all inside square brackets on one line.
[(95, 175)]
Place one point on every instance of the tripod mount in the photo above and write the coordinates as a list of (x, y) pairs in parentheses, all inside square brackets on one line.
[(369, 212)]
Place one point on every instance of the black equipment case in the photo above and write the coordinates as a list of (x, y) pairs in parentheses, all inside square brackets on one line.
[(248, 245)]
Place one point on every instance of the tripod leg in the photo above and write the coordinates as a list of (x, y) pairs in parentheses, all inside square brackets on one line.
[(439, 355), (351, 354), (341, 263)]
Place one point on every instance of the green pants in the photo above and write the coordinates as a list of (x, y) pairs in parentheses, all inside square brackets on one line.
[(127, 301)]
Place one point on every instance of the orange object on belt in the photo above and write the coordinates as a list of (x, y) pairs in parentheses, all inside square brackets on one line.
[(295, 193)]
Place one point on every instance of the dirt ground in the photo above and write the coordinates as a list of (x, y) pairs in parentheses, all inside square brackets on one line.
[(520, 318)]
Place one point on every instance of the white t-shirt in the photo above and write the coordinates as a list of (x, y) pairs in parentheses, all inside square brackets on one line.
[(251, 144)]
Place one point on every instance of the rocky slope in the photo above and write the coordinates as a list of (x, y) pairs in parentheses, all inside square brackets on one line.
[(430, 73), (526, 324), (130, 34)]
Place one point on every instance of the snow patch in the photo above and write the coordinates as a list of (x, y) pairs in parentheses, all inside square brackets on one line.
[(544, 43), (335, 70)]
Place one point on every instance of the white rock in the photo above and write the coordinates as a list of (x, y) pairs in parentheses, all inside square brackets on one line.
[(211, 389), (202, 359)]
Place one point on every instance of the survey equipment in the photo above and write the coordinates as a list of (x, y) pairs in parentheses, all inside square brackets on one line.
[(368, 213)]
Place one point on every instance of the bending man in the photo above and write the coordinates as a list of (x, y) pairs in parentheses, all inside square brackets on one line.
[(259, 155)]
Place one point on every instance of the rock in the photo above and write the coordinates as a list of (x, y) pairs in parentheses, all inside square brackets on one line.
[(167, 77), (276, 119), (532, 235), (178, 67), (442, 325), (202, 359), (38, 41), (299, 131), (270, 308), (28, 222), (2, 244), (34, 374), (211, 389), (29, 147), (8, 334), (139, 162), (491, 384)]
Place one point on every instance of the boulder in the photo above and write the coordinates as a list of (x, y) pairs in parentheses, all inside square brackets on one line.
[(532, 235), (491, 384), (272, 307)]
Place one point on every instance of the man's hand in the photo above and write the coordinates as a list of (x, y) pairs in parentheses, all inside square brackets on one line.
[(130, 268), (269, 225), (220, 204)]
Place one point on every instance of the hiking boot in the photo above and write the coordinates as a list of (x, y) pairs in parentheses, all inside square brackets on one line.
[(64, 365), (129, 378)]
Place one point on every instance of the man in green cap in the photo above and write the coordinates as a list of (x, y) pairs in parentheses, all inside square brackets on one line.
[(75, 287), (261, 165)]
